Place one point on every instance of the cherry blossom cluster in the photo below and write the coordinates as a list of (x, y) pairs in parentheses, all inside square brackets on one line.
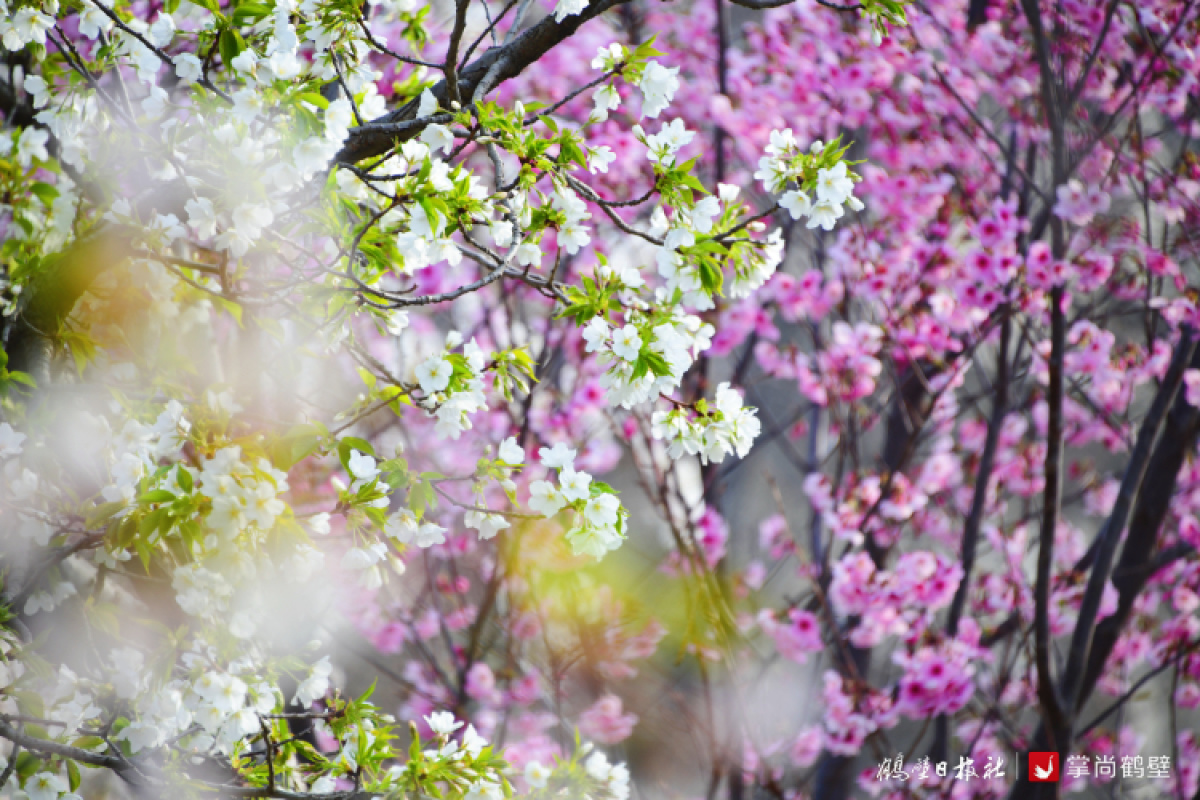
[(713, 431), (599, 521), (892, 602), (820, 170)]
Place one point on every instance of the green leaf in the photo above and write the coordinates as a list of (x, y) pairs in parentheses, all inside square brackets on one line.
[(88, 742), (354, 443), (143, 550), (126, 530), (30, 703), (103, 512), (45, 192), (694, 182), (422, 496), (427, 203), (234, 309), (314, 99), (231, 45), (658, 365), (250, 13), (150, 523), (28, 764), (710, 276), (21, 378), (295, 447), (646, 50)]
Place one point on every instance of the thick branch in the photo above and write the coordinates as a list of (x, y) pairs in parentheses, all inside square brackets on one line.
[(53, 748), (1110, 535), (1139, 558), (1052, 497), (451, 66), (485, 73), (1141, 545)]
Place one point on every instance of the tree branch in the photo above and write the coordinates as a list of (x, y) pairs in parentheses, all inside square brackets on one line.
[(1052, 705), (1110, 534), (497, 65)]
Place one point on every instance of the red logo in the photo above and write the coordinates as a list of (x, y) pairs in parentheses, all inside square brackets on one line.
[(1043, 767)]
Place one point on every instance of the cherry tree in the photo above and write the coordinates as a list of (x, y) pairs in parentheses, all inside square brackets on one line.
[(578, 376)]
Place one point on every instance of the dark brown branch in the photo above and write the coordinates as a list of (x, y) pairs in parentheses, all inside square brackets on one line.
[(1052, 706), (12, 765), (50, 747), (491, 28), (451, 65), (1110, 535), (1140, 554), (495, 66), (1140, 558)]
